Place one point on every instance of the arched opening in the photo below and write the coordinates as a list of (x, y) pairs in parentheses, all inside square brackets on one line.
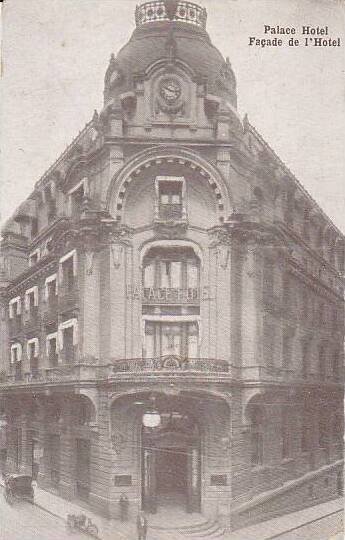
[(159, 469), (171, 462)]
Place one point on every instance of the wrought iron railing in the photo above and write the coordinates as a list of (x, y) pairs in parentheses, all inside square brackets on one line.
[(171, 10), (168, 212), (170, 363)]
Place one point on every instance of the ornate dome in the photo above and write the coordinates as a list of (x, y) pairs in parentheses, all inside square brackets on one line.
[(166, 29)]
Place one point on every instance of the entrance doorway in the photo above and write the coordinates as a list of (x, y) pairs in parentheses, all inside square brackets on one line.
[(171, 465), (171, 475)]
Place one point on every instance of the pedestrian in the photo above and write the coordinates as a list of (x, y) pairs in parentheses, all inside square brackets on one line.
[(142, 526), (124, 503)]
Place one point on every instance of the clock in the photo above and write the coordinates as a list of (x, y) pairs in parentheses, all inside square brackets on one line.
[(169, 96), (170, 91)]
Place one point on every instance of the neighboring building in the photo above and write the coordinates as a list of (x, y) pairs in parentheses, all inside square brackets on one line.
[(168, 261)]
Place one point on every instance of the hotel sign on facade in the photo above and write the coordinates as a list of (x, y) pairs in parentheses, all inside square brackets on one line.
[(167, 295)]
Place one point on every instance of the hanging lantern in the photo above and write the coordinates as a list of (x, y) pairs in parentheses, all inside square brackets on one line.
[(151, 418)]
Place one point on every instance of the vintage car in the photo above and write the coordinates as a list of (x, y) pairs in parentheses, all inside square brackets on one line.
[(18, 487)]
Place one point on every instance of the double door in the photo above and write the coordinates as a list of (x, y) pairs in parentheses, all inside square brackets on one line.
[(171, 476)]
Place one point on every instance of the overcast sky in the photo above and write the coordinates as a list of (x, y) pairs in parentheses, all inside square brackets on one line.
[(55, 53)]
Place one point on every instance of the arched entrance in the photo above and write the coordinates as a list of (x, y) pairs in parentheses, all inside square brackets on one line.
[(171, 463)]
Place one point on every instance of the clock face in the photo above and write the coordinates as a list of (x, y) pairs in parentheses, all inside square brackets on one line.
[(170, 91)]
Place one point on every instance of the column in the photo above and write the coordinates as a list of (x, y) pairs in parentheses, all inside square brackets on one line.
[(67, 453), (250, 328)]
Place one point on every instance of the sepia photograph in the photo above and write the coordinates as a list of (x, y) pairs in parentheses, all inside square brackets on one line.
[(172, 185)]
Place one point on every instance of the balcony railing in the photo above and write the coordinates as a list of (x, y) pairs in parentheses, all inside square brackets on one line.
[(170, 363), (165, 365), (170, 212)]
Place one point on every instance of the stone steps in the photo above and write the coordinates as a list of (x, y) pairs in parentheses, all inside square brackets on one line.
[(210, 529)]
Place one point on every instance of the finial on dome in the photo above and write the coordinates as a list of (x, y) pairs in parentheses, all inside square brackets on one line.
[(170, 8), (171, 45)]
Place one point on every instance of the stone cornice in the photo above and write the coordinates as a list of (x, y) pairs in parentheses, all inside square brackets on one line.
[(31, 276)]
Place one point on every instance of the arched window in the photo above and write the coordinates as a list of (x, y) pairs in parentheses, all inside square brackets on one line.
[(84, 411)]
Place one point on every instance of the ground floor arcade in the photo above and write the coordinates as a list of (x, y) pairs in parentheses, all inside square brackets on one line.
[(213, 450)]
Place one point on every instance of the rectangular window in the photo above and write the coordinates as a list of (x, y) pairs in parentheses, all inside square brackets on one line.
[(68, 347), (286, 434), (149, 275), (305, 360), (335, 366), (68, 274), (192, 275), (51, 291), (54, 459), (322, 362), (164, 339), (170, 199), (83, 468), (306, 432), (34, 257), (52, 349), (76, 198), (31, 302), (171, 339), (175, 274), (34, 227), (287, 350), (257, 439)]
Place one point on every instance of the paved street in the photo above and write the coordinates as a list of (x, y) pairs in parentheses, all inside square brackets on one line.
[(24, 521), (327, 528)]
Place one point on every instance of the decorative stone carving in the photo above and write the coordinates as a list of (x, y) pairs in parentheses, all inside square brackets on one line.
[(116, 251), (170, 231)]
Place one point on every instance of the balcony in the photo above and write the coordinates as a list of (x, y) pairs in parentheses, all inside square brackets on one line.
[(57, 374), (167, 364), (173, 367), (169, 296), (170, 212), (263, 373)]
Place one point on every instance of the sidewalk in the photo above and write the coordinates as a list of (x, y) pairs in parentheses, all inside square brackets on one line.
[(112, 529), (267, 529)]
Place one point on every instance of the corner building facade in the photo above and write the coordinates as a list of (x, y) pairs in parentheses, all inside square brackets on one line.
[(168, 259)]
